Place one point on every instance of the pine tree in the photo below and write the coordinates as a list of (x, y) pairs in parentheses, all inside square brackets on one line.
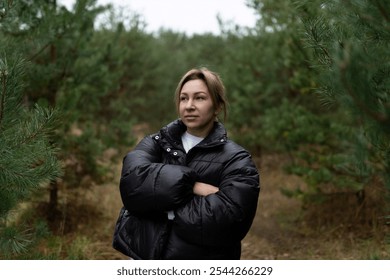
[(351, 40), (66, 71), (27, 160)]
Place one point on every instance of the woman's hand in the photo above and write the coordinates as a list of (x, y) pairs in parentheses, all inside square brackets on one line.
[(204, 189)]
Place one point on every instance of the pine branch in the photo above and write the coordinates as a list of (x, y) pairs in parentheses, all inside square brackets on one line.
[(3, 79), (10, 2), (45, 117), (315, 30), (383, 11), (40, 51), (31, 176), (382, 118), (14, 240)]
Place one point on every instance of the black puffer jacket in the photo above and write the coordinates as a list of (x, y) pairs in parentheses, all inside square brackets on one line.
[(158, 176)]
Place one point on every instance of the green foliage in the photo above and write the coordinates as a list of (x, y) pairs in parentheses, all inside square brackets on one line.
[(78, 250), (27, 155), (353, 63), (83, 73), (27, 130), (349, 43), (19, 241), (265, 66), (27, 158), (313, 143), (14, 240), (292, 125)]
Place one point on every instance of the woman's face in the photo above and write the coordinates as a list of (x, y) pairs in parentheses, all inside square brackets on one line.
[(196, 108)]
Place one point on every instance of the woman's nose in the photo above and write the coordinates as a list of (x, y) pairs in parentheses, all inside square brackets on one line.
[(190, 104)]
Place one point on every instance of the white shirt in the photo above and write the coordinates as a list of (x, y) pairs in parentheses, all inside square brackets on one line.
[(189, 141)]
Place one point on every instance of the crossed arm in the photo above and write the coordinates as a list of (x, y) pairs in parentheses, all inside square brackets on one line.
[(204, 189)]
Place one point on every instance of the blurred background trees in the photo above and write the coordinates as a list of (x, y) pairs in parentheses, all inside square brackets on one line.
[(352, 59), (311, 80)]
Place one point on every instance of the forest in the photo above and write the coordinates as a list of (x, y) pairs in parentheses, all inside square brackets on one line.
[(309, 95)]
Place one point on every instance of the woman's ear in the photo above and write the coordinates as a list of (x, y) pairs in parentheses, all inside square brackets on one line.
[(218, 110)]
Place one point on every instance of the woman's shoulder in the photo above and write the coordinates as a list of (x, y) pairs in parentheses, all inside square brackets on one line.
[(232, 147), (167, 135), (160, 135), (149, 144)]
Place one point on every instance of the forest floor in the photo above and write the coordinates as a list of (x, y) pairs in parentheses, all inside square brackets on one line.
[(281, 229)]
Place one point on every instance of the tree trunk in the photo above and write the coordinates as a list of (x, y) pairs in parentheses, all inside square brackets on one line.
[(53, 202)]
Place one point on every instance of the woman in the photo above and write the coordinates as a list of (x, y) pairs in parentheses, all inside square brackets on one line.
[(190, 191)]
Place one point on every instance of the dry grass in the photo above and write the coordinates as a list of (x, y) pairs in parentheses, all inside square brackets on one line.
[(339, 228)]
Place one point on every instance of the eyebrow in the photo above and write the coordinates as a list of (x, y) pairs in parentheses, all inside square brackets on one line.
[(195, 93)]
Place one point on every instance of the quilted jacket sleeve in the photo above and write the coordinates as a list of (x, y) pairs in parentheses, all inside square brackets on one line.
[(227, 215), (147, 185)]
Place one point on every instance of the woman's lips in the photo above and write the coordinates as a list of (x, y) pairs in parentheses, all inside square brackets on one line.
[(190, 117)]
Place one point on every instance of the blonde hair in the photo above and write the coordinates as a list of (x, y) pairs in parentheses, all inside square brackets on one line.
[(214, 85)]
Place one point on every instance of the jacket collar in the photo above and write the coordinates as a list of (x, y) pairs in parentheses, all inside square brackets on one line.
[(173, 132)]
